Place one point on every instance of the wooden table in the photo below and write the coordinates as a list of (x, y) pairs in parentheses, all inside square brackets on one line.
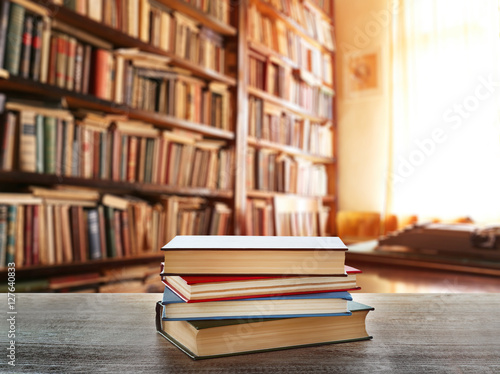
[(115, 333)]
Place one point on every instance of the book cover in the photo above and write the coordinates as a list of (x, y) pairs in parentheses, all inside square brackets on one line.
[(262, 307)]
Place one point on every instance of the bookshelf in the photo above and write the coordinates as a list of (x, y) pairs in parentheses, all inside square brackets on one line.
[(287, 121), (181, 103)]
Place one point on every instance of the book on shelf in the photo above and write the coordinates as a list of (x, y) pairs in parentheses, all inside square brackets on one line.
[(243, 255), (218, 338), (297, 305), (212, 287)]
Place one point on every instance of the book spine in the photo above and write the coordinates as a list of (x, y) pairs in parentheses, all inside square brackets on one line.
[(45, 49), (69, 135), (52, 60), (83, 234), (27, 142), (125, 233), (66, 234), (8, 141), (36, 49), (102, 68), (4, 22), (102, 231), (110, 232), (61, 60), (118, 233), (39, 144), (75, 233), (36, 235), (3, 234), (24, 69), (50, 145), (93, 234), (132, 159), (14, 39), (59, 145), (70, 69), (78, 67), (19, 256), (28, 236), (87, 61)]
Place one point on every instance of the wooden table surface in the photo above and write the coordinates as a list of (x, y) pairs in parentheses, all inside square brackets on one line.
[(115, 333)]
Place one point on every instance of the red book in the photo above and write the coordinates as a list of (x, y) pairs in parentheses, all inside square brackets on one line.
[(102, 73), (210, 288)]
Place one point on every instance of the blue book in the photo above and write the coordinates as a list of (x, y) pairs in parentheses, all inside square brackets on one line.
[(304, 305)]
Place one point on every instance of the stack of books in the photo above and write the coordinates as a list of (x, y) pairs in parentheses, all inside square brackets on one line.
[(227, 295)]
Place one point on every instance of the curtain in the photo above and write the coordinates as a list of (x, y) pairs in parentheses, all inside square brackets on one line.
[(445, 132)]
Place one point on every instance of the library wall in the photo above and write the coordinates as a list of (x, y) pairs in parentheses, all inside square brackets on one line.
[(363, 29)]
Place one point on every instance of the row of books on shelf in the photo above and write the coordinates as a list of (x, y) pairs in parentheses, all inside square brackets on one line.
[(109, 147), (310, 19), (67, 225), (277, 79), (269, 170), (34, 46), (261, 218), (275, 35), (232, 306), (275, 124), (128, 15)]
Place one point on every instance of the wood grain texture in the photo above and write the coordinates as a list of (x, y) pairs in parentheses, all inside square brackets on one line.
[(413, 333)]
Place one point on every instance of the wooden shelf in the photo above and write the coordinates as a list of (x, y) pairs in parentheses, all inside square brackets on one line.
[(271, 11), (44, 271), (203, 18), (261, 143), (121, 40), (76, 100), (270, 194), (285, 104), (20, 177)]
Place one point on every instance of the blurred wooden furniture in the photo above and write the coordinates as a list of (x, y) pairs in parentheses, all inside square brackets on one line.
[(298, 216), (104, 333), (358, 226)]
